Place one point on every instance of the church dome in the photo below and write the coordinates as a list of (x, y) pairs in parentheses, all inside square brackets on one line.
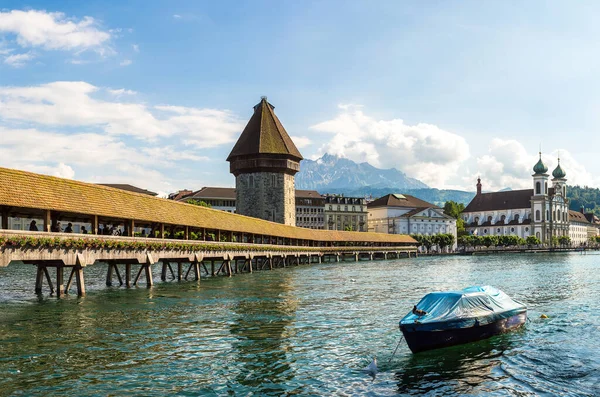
[(539, 167), (558, 172)]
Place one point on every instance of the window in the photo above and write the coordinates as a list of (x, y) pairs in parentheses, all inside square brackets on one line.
[(477, 219), (330, 207), (251, 181), (273, 180), (353, 208), (503, 218), (538, 188), (512, 229), (537, 215), (517, 217), (498, 230)]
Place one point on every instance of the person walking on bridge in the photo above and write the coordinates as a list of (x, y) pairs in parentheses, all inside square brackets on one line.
[(33, 227)]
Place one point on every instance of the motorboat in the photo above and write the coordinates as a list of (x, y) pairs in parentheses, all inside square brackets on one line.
[(450, 318)]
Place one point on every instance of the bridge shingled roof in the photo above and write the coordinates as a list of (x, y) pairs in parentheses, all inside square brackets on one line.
[(28, 190)]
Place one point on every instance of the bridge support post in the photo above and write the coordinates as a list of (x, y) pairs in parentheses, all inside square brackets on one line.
[(196, 270), (356, 257), (47, 221), (179, 271), (39, 279), (148, 269), (128, 275), (163, 273), (60, 282), (109, 273)]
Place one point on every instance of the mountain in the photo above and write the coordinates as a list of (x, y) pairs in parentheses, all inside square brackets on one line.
[(332, 173)]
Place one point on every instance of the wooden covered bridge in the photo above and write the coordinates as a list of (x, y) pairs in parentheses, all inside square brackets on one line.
[(205, 241)]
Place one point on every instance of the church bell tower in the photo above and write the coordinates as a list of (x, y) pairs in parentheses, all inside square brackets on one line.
[(264, 161)]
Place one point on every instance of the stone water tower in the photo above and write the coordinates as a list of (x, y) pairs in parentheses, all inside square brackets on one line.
[(264, 161)]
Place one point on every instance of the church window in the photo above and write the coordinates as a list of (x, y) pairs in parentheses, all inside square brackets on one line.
[(537, 215), (512, 229), (565, 191), (547, 215), (538, 189), (498, 230), (503, 218), (489, 218), (526, 229), (546, 188), (484, 231), (517, 217), (477, 219)]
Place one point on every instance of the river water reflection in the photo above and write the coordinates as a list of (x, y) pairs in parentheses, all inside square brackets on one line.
[(301, 331)]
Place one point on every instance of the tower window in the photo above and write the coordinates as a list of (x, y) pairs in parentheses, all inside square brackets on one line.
[(537, 215), (538, 188)]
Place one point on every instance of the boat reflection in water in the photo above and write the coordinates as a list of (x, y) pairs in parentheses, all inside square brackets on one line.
[(443, 319), (475, 367)]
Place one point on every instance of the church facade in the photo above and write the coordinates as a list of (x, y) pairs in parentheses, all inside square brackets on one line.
[(542, 211)]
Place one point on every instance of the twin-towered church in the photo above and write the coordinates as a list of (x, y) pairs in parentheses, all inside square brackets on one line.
[(542, 211)]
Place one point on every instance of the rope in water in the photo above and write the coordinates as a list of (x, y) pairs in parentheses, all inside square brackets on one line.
[(395, 350)]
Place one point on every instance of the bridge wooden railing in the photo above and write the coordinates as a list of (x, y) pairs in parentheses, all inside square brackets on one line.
[(75, 252)]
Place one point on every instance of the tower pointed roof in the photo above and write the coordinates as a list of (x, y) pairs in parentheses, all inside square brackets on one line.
[(264, 134), (558, 172), (539, 168)]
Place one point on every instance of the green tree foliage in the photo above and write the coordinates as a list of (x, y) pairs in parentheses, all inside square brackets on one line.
[(586, 197), (454, 209), (564, 241), (533, 240), (490, 241), (199, 203)]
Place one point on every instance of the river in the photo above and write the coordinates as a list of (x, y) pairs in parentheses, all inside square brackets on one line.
[(303, 330)]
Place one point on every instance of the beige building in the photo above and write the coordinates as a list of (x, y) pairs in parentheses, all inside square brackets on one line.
[(345, 213), (405, 214)]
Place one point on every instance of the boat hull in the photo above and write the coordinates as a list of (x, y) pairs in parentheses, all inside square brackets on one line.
[(422, 340)]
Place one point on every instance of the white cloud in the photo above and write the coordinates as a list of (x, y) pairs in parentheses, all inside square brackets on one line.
[(177, 16), (136, 48), (125, 62), (74, 104), (75, 128), (121, 91), (18, 60), (423, 151), (508, 165), (301, 141), (53, 30)]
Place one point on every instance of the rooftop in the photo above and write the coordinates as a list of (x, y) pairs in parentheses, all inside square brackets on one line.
[(401, 201), (25, 190), (264, 134), (129, 188)]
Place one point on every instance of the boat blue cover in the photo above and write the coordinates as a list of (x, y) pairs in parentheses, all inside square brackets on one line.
[(462, 309)]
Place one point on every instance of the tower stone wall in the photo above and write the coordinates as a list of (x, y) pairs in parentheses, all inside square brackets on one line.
[(266, 195)]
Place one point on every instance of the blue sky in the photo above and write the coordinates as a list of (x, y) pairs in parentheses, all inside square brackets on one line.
[(155, 93)]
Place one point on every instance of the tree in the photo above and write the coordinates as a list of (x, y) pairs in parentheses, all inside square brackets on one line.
[(199, 203), (564, 241), (533, 240), (489, 240), (454, 209), (554, 240)]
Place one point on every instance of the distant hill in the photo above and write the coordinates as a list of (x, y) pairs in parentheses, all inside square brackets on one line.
[(331, 173)]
